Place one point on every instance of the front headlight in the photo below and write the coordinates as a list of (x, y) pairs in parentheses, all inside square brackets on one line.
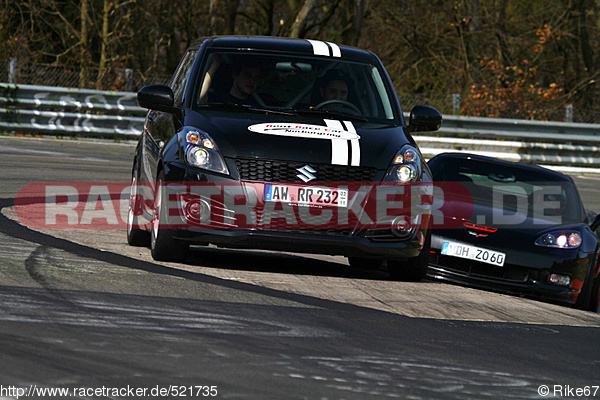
[(406, 166), (560, 239), (201, 151)]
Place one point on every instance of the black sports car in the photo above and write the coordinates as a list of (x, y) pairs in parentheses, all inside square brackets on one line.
[(282, 144), (514, 228)]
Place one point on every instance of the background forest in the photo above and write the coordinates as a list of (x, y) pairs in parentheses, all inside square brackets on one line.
[(504, 58)]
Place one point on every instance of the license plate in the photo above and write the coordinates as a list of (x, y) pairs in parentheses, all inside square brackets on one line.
[(473, 253), (309, 196)]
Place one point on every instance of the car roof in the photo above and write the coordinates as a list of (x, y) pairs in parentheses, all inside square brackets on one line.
[(545, 173), (288, 45)]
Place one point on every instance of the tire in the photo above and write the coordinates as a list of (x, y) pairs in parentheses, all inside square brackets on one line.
[(365, 263), (163, 245), (414, 269), (135, 236)]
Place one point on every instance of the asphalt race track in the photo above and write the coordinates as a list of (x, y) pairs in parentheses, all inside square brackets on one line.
[(82, 309)]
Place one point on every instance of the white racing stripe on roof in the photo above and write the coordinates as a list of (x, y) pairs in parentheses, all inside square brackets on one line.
[(339, 147), (335, 49), (319, 48)]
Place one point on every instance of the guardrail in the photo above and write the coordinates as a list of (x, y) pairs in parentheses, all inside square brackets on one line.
[(68, 112), (570, 147)]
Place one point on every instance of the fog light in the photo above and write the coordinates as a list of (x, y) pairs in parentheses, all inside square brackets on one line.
[(197, 211), (400, 227), (194, 209), (557, 279)]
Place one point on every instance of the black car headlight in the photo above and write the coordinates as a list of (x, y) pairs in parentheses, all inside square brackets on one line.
[(406, 166), (201, 151), (560, 239)]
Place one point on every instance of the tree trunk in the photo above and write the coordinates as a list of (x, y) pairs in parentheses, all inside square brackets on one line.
[(359, 14), (231, 11), (212, 14), (104, 47), (84, 55), (501, 35), (301, 18)]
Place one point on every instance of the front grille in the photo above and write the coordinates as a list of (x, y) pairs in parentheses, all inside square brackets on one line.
[(317, 232), (260, 170), (286, 221), (474, 268)]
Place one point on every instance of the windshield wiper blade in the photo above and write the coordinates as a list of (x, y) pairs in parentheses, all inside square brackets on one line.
[(328, 113), (246, 107)]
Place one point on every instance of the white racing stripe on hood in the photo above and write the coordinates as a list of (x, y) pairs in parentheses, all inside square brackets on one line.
[(355, 144), (339, 147)]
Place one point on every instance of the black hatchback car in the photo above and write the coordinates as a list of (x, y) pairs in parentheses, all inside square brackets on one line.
[(514, 228), (282, 144)]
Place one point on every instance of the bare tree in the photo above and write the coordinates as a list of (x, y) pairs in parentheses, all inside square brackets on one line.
[(104, 38), (84, 43), (301, 18)]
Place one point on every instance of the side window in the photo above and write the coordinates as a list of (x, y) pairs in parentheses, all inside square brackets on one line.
[(181, 75)]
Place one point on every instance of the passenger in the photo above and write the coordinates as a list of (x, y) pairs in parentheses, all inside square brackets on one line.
[(245, 83), (245, 77)]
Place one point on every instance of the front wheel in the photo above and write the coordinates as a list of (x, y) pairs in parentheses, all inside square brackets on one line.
[(414, 269), (163, 245), (135, 235)]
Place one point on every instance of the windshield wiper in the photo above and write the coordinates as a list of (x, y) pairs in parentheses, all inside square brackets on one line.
[(246, 107), (329, 113)]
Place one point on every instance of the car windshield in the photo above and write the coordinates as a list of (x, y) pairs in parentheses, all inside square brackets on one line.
[(512, 189), (326, 87)]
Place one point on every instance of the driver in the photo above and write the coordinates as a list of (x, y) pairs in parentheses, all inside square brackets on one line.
[(334, 86)]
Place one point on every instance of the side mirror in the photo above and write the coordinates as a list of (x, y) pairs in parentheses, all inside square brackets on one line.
[(424, 119), (157, 97)]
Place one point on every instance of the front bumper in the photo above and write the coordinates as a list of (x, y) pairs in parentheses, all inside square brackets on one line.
[(234, 223), (527, 279), (302, 242)]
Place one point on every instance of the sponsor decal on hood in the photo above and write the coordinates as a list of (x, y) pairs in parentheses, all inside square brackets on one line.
[(303, 131)]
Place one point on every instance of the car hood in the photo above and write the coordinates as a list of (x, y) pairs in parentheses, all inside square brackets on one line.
[(464, 221), (297, 138), (456, 213)]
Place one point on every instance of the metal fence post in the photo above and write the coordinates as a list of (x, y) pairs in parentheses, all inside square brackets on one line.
[(569, 113), (455, 104), (129, 78), (12, 70)]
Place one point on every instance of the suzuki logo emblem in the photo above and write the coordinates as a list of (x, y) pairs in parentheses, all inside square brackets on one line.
[(306, 173)]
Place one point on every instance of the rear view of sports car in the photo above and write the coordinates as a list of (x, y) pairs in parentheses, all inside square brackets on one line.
[(513, 228)]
